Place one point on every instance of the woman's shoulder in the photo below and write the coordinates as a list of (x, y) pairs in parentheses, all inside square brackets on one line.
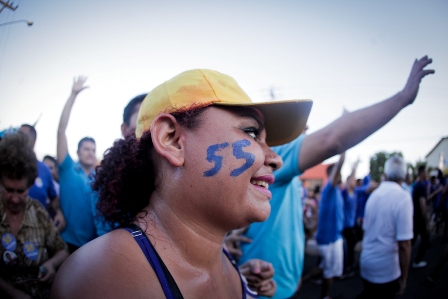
[(111, 266)]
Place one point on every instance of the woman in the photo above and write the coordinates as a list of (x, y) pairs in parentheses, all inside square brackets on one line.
[(31, 248), (200, 166)]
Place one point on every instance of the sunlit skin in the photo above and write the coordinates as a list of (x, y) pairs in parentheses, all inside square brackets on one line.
[(225, 193), (86, 154), (14, 194), (188, 214)]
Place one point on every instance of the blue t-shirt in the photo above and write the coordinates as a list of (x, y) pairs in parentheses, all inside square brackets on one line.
[(280, 239), (349, 208), (43, 187), (331, 215), (102, 227), (362, 196), (76, 198)]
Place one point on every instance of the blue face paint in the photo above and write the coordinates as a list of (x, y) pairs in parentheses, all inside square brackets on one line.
[(211, 157), (240, 154)]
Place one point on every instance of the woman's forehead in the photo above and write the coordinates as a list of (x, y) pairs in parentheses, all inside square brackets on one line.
[(246, 111)]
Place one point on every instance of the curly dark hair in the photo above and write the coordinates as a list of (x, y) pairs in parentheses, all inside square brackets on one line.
[(17, 159), (125, 179)]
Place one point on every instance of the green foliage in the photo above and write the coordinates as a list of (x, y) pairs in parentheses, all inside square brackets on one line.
[(377, 162)]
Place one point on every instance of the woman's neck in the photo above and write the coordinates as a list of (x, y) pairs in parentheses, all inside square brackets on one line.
[(191, 249), (14, 221), (198, 244)]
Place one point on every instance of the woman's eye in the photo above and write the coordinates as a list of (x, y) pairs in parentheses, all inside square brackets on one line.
[(252, 134)]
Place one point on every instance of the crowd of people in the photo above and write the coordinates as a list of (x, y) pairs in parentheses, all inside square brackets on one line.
[(397, 211), (199, 197)]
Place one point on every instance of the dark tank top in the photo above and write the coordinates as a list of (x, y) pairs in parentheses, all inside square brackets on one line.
[(169, 286)]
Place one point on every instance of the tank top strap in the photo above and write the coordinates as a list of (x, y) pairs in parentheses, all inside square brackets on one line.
[(247, 292), (169, 286)]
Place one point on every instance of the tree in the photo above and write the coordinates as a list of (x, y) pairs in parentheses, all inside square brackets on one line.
[(377, 162)]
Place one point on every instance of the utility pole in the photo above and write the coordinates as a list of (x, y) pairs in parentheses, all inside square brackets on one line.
[(7, 5)]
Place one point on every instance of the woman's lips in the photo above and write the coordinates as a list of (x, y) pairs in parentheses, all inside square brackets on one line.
[(268, 178), (261, 183)]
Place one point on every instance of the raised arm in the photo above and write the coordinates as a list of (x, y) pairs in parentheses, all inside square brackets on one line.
[(62, 146), (352, 128), (334, 177), (352, 177)]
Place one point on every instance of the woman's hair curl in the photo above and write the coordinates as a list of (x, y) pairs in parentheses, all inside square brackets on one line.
[(126, 177)]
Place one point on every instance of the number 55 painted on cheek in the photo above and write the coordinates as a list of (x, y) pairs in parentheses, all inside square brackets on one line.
[(240, 154), (211, 157), (237, 152)]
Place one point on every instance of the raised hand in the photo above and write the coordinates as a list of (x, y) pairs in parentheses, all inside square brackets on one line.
[(418, 72), (78, 84)]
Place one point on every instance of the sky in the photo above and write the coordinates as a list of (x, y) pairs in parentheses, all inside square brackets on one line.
[(340, 54)]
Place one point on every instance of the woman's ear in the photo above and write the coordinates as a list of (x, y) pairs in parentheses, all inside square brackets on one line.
[(166, 133)]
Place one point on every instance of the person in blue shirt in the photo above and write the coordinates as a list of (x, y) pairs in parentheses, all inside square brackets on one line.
[(280, 239), (43, 187), (75, 178), (330, 226), (362, 193), (349, 233)]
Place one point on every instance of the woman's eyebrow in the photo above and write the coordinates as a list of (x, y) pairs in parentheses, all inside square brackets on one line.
[(254, 117)]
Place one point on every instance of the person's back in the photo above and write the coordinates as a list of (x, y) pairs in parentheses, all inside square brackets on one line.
[(331, 215), (421, 221), (419, 191), (386, 210), (386, 246)]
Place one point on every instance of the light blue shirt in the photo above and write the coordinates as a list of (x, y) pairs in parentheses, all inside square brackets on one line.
[(76, 198), (280, 239)]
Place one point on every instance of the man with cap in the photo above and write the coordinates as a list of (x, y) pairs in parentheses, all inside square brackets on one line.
[(280, 239)]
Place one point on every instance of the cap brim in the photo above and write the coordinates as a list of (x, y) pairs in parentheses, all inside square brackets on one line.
[(284, 120)]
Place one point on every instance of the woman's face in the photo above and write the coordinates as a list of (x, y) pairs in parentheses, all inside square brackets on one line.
[(14, 193), (53, 169), (230, 166)]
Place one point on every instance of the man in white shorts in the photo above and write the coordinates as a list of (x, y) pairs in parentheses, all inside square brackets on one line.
[(330, 226)]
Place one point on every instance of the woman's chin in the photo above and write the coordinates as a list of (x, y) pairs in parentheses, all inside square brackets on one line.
[(262, 213)]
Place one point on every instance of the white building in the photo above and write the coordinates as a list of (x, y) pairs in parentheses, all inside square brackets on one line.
[(438, 156)]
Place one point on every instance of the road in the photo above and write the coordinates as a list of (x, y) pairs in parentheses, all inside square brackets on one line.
[(417, 285)]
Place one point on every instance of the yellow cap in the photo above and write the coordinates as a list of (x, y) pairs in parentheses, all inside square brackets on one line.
[(284, 120)]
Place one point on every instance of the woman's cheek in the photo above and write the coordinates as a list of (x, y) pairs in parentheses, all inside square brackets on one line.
[(233, 158)]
